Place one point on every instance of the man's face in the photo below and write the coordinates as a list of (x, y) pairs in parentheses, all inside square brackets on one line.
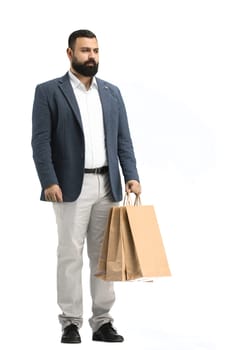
[(84, 58)]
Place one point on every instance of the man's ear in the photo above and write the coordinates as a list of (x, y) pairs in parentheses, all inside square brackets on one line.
[(69, 52)]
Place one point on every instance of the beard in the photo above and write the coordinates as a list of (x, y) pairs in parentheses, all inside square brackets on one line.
[(84, 68)]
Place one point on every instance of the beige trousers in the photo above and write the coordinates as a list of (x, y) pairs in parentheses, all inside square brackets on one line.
[(76, 221)]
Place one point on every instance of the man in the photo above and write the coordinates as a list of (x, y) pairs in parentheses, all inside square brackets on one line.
[(80, 135)]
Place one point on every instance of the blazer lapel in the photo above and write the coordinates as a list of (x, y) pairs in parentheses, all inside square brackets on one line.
[(104, 93), (105, 98), (66, 88)]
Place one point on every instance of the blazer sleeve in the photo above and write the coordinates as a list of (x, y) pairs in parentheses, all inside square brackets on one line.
[(41, 138), (125, 146)]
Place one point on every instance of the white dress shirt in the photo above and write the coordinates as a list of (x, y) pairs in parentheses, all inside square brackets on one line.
[(92, 119)]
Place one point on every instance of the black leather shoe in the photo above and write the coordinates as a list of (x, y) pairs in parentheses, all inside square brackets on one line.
[(108, 334), (71, 335)]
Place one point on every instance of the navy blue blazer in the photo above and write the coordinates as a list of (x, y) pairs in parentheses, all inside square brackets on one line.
[(58, 138)]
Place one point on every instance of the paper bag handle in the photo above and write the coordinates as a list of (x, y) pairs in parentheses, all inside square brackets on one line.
[(137, 200), (128, 201)]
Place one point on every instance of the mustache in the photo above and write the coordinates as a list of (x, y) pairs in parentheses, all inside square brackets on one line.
[(91, 60)]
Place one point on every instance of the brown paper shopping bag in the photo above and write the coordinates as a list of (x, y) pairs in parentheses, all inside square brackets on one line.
[(132, 247), (111, 266), (117, 245), (132, 269), (115, 260), (147, 240), (101, 269)]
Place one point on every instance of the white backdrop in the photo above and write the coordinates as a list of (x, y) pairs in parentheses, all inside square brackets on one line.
[(172, 61)]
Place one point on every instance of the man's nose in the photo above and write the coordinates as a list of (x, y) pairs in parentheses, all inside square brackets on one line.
[(92, 54)]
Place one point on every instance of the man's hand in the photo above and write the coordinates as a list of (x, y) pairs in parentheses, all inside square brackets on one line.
[(53, 193), (133, 186)]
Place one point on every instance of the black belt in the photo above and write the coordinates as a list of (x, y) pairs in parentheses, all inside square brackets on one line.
[(102, 170)]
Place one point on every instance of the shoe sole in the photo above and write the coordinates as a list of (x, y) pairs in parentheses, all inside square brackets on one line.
[(108, 341), (71, 342)]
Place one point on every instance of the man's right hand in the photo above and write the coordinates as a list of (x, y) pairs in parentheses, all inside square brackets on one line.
[(53, 193)]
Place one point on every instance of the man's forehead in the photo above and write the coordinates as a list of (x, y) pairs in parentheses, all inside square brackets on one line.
[(87, 42)]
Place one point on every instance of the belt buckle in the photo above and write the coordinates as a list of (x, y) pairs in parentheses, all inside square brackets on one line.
[(96, 171)]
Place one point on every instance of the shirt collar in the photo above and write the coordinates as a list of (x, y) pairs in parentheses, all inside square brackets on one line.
[(76, 83)]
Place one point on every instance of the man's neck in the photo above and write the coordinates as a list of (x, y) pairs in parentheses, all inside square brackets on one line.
[(85, 80)]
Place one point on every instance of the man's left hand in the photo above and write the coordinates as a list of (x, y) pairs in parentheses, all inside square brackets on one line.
[(133, 186)]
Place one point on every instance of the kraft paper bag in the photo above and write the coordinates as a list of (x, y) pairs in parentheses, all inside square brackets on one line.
[(115, 260), (132, 264), (101, 269), (132, 247), (117, 245), (111, 265), (147, 240)]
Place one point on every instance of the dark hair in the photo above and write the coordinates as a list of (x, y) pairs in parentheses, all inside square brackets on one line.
[(81, 33)]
